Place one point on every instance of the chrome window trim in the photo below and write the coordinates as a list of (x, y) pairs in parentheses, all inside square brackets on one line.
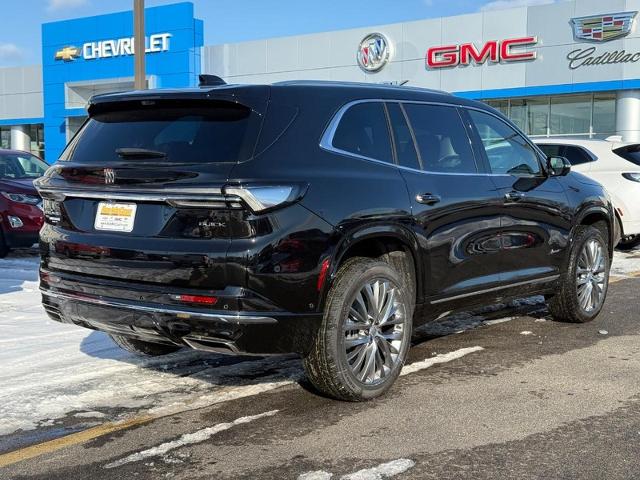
[(326, 141)]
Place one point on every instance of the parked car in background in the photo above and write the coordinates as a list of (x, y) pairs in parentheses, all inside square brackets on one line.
[(615, 165), (21, 215), (323, 218)]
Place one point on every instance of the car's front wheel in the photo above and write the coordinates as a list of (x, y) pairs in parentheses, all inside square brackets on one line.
[(365, 334), (140, 347), (583, 287)]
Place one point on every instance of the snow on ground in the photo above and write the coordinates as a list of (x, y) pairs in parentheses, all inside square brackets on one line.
[(626, 263), (53, 373)]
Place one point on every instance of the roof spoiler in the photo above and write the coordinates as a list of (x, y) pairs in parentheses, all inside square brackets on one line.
[(210, 80)]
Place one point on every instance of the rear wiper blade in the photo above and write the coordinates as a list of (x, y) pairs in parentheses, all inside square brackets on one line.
[(127, 152)]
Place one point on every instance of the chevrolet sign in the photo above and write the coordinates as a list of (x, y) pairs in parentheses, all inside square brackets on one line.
[(158, 42)]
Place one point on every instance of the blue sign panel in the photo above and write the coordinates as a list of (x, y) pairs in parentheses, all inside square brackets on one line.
[(93, 55)]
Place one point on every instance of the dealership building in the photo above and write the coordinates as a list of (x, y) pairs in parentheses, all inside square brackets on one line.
[(571, 68)]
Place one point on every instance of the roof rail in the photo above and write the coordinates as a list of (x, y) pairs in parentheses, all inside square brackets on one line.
[(210, 80)]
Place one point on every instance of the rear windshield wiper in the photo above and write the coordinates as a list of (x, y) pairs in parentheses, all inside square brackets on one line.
[(127, 152)]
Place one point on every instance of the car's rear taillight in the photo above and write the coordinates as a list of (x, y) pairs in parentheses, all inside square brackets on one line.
[(260, 198), (51, 210)]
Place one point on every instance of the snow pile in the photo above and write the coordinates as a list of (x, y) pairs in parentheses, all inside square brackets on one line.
[(188, 439)]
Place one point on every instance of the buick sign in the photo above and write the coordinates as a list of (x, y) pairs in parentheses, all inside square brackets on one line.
[(374, 52)]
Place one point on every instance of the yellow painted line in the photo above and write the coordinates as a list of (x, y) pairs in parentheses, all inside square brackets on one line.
[(72, 439), (618, 278)]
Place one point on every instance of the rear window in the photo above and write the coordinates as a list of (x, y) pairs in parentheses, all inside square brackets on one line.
[(630, 153), (220, 132)]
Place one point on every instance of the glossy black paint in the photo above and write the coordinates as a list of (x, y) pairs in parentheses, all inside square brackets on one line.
[(470, 242)]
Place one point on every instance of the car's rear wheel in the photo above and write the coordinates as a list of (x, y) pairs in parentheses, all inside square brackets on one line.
[(4, 248), (583, 288), (365, 334), (140, 347)]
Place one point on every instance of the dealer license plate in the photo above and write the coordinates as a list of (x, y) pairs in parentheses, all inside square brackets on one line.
[(115, 217)]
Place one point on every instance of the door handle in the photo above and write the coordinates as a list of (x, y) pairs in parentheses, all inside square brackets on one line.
[(428, 198), (514, 196)]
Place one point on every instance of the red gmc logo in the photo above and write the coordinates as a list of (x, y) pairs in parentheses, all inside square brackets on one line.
[(495, 52)]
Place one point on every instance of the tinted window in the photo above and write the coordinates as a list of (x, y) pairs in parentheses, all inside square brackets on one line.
[(630, 153), (551, 150), (405, 148), (363, 130), (507, 151), (442, 139), (576, 155), (15, 166), (221, 132)]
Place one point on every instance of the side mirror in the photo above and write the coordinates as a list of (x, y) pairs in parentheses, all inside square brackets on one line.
[(558, 166)]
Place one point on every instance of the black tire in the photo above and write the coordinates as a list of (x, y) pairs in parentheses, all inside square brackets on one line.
[(565, 305), (140, 347), (629, 243), (326, 365), (4, 248)]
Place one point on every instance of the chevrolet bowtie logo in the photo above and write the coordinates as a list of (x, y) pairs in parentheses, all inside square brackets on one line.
[(67, 53)]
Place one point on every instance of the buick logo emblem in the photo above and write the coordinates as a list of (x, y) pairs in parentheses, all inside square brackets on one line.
[(374, 52), (109, 176)]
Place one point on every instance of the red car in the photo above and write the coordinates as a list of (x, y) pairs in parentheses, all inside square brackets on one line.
[(21, 214)]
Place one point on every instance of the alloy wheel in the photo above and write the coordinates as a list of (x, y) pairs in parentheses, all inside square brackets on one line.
[(374, 331), (591, 275)]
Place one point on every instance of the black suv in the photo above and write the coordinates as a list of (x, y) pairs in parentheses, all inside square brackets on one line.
[(326, 219)]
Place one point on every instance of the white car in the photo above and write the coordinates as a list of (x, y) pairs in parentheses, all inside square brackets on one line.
[(614, 164)]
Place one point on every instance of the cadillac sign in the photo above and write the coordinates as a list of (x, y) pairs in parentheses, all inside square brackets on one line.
[(373, 52), (601, 28)]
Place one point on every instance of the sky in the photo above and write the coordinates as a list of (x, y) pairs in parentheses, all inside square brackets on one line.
[(227, 21)]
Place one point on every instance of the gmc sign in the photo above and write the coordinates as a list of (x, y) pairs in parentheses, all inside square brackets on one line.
[(495, 52)]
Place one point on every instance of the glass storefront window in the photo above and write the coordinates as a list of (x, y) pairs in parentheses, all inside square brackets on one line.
[(592, 115), (36, 132), (538, 116), (501, 105), (518, 113), (5, 137), (571, 114), (604, 113)]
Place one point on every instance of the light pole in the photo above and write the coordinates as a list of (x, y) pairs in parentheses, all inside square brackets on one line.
[(138, 45)]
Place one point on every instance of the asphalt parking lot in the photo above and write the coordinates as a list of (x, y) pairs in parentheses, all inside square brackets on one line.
[(500, 393)]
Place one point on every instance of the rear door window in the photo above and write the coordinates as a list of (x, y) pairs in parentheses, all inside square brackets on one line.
[(219, 132), (402, 138), (363, 130), (442, 139)]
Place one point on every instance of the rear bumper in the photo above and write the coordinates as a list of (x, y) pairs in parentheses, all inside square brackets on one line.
[(199, 328)]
